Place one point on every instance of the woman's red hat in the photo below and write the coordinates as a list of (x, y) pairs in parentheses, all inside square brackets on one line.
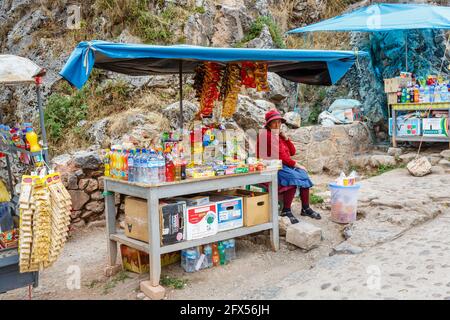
[(273, 115)]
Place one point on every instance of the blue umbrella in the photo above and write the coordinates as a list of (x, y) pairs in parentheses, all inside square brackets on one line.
[(385, 17)]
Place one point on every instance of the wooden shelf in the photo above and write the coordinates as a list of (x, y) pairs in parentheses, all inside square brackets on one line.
[(220, 236), (421, 106), (420, 138)]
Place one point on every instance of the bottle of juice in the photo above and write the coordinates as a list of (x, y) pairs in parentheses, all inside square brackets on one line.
[(170, 169), (119, 164), (215, 255), (107, 163), (32, 140), (125, 156)]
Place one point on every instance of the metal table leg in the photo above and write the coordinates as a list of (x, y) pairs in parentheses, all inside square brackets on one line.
[(110, 214), (274, 232), (394, 128), (154, 238)]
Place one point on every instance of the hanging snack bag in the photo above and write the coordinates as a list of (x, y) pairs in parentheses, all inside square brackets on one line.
[(262, 85), (248, 74)]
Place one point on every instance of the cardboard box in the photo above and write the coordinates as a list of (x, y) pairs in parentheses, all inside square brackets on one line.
[(201, 221), (139, 262), (172, 220), (435, 127), (392, 98), (229, 211), (392, 84), (407, 127), (256, 206), (194, 200)]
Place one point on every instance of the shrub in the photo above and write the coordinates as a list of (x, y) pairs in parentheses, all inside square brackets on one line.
[(256, 28)]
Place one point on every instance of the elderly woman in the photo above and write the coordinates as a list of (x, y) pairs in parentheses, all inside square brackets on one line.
[(292, 173)]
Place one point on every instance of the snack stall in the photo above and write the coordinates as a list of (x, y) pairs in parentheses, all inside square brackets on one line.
[(420, 108), (16, 70), (35, 214), (178, 190)]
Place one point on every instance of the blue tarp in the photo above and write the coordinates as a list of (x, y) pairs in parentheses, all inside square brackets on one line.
[(305, 66), (385, 17)]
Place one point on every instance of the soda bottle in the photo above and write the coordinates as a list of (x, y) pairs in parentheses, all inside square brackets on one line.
[(170, 169), (221, 250), (107, 163), (416, 94), (32, 139), (404, 95), (215, 255), (399, 96)]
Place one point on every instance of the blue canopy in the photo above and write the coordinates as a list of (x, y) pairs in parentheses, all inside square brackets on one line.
[(305, 66), (385, 17)]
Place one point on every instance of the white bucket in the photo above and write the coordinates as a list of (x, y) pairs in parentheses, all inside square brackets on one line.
[(344, 203)]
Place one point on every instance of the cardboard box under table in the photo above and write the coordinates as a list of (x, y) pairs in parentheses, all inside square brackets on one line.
[(255, 204), (172, 220), (137, 261), (201, 221), (436, 127), (229, 211)]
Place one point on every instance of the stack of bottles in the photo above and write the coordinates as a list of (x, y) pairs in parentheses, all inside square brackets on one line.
[(430, 90), (208, 256)]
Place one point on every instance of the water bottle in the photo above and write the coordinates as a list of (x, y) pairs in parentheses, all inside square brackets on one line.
[(421, 95), (153, 167), (131, 174), (230, 251), (189, 260), (161, 168), (444, 93), (432, 89), (207, 251), (144, 166), (426, 94)]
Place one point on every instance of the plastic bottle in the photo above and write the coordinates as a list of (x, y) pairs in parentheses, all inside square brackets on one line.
[(404, 95), (416, 94), (221, 250), (125, 157), (444, 93), (32, 140), (421, 94), (137, 166), (426, 96), (155, 167), (230, 250), (107, 163), (170, 169), (161, 168), (432, 96), (208, 252), (411, 95), (189, 259), (215, 255)]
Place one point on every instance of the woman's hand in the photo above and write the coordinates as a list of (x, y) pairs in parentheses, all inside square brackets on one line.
[(283, 135), (300, 167)]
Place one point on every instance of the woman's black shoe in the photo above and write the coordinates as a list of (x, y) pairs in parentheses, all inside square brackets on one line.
[(290, 215), (311, 213)]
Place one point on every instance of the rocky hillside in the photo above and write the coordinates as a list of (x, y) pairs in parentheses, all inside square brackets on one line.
[(113, 105)]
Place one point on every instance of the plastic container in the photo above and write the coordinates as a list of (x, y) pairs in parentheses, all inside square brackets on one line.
[(230, 250), (344, 203), (189, 259)]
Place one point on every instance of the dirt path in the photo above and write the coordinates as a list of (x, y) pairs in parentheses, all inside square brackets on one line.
[(257, 273)]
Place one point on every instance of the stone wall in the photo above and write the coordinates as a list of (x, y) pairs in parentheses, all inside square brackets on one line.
[(330, 149)]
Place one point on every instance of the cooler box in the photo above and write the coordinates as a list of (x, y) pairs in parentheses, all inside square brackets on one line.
[(229, 211), (255, 204), (201, 221), (435, 127), (172, 220), (408, 127)]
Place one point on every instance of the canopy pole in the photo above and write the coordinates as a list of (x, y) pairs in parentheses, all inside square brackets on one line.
[(180, 74), (41, 118)]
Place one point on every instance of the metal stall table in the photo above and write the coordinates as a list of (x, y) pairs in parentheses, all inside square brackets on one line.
[(154, 192)]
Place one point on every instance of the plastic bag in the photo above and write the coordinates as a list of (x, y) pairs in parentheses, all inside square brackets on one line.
[(342, 104)]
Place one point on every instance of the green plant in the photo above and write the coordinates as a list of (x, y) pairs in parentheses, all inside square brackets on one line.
[(65, 111), (121, 276), (315, 199), (93, 283), (200, 10), (175, 283), (256, 28)]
